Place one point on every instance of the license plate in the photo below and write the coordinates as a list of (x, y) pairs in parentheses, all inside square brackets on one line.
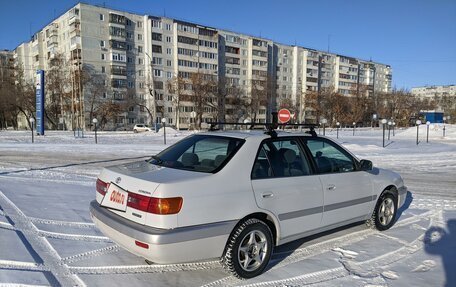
[(115, 198)]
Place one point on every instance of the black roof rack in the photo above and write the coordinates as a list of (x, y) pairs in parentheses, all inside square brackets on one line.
[(269, 127)]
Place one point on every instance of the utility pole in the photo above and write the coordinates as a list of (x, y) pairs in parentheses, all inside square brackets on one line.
[(319, 86), (152, 90)]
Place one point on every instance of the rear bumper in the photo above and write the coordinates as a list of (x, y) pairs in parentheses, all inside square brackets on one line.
[(184, 244)]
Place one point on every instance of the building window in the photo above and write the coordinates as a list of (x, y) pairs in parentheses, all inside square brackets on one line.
[(158, 73), (101, 17), (156, 49), (168, 51), (103, 56), (168, 63), (156, 36), (157, 61), (168, 27), (140, 49), (140, 61), (102, 43), (103, 69), (140, 37), (170, 109), (169, 75), (168, 39), (139, 25), (157, 24)]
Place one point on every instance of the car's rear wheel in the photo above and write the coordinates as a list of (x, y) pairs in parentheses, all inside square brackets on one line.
[(249, 249), (385, 211), (135, 131)]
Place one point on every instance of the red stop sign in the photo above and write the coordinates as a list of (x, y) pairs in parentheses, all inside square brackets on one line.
[(284, 116)]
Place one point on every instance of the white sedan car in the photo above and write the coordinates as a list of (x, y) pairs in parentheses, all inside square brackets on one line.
[(237, 195), (141, 128)]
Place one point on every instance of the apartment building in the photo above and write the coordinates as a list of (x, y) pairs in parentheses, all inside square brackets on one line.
[(430, 92), (6, 64), (143, 55), (444, 97)]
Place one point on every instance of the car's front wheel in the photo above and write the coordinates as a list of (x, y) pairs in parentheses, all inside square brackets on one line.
[(385, 211), (249, 249)]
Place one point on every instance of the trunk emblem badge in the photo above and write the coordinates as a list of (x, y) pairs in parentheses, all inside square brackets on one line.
[(118, 180)]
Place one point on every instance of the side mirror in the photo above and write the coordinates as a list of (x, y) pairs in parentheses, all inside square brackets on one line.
[(365, 164)]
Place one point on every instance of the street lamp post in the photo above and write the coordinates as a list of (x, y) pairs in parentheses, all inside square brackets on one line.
[(164, 130), (418, 123), (95, 121), (337, 124), (427, 131), (354, 126), (32, 121), (389, 129), (324, 121), (374, 118), (193, 116), (384, 126), (444, 119)]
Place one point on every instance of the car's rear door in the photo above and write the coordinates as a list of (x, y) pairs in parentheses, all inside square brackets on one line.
[(283, 184), (347, 191)]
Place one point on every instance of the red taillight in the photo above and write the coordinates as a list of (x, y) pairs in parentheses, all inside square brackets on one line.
[(161, 206), (102, 187), (138, 201)]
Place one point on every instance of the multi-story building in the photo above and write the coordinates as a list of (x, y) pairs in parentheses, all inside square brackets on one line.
[(6, 64), (142, 57), (443, 97), (430, 92)]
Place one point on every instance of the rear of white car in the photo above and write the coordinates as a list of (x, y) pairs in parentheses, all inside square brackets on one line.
[(138, 205)]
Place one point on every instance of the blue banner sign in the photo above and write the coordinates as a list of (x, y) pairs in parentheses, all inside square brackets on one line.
[(40, 102)]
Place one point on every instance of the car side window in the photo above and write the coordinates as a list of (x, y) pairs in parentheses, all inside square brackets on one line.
[(329, 158), (280, 158)]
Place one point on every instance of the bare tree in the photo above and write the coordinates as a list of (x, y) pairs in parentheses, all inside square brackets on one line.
[(57, 89), (258, 98), (176, 88), (204, 89), (95, 89)]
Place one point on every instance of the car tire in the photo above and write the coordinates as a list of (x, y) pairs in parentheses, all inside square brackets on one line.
[(384, 214), (249, 249), (135, 131)]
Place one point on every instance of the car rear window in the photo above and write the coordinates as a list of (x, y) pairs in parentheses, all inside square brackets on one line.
[(202, 153)]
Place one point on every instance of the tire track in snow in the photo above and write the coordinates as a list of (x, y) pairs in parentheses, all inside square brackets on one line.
[(11, 264), (61, 274), (91, 254), (135, 269), (62, 223), (67, 236)]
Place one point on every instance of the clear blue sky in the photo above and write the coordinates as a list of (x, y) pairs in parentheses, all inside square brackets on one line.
[(416, 37)]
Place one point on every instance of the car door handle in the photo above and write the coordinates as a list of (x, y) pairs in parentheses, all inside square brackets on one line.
[(267, 195), (331, 187)]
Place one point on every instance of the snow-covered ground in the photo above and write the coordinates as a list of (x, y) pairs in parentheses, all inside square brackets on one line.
[(47, 237)]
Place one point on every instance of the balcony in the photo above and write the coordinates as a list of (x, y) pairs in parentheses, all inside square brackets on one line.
[(117, 19), (52, 42)]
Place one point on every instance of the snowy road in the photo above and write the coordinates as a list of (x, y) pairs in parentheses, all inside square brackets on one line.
[(48, 239)]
